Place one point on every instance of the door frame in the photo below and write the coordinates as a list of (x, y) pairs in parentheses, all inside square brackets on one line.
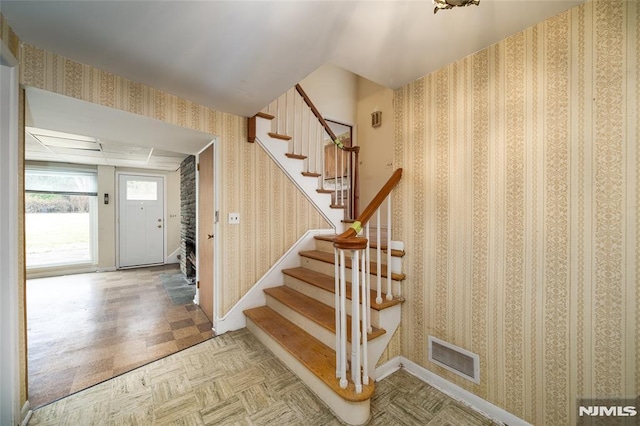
[(164, 214), (216, 230), (10, 411)]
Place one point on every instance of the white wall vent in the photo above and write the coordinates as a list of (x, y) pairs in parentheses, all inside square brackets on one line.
[(455, 359)]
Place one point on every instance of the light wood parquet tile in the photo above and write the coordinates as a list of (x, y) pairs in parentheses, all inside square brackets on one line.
[(197, 387)]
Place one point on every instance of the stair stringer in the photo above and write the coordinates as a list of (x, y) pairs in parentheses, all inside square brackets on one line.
[(235, 319), (389, 321), (293, 168)]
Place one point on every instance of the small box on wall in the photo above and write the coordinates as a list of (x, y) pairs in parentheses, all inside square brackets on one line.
[(376, 119)]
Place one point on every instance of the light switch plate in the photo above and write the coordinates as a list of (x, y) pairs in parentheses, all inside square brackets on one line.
[(234, 218)]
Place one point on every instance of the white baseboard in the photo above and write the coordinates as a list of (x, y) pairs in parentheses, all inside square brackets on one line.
[(25, 414), (255, 297), (388, 368), (107, 269), (56, 271), (464, 396)]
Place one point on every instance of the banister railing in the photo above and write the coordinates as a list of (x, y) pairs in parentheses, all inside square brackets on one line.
[(312, 138), (358, 246)]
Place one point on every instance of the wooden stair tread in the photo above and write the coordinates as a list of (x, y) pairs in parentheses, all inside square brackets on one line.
[(279, 136), (323, 256), (313, 354), (372, 244), (265, 115), (311, 174), (317, 312), (325, 191), (295, 156), (327, 283), (336, 206)]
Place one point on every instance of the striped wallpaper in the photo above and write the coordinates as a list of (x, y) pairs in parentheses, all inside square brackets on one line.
[(519, 209)]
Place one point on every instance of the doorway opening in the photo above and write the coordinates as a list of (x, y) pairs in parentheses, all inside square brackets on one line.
[(141, 220)]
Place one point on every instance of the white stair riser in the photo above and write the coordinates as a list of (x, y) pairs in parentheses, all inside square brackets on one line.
[(319, 332), (323, 296), (328, 269), (396, 262)]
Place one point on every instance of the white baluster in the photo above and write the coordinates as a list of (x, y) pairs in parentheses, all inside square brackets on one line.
[(337, 305), (355, 322), (365, 319), (389, 291), (335, 180), (378, 259), (343, 323), (367, 279)]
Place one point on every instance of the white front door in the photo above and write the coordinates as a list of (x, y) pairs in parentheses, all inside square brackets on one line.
[(141, 220)]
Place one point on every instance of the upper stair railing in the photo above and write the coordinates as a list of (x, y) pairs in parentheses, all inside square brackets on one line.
[(356, 241), (311, 139)]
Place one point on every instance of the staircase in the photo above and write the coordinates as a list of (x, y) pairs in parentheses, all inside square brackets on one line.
[(329, 330), (298, 324)]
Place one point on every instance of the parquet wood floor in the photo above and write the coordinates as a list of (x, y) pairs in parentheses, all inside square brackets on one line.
[(233, 379), (86, 328)]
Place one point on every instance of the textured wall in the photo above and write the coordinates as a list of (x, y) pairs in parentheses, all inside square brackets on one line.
[(9, 38), (274, 213), (519, 209), (187, 209)]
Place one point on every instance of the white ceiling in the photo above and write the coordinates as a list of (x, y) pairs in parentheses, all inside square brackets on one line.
[(237, 56)]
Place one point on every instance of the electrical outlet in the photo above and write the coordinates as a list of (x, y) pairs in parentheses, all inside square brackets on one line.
[(234, 218)]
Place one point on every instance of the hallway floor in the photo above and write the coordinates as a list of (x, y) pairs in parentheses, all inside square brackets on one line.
[(234, 379), (86, 328)]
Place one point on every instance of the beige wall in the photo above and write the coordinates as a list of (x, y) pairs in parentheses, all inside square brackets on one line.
[(106, 218), (519, 208), (333, 90), (376, 155)]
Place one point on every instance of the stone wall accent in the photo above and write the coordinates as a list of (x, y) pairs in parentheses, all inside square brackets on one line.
[(187, 212)]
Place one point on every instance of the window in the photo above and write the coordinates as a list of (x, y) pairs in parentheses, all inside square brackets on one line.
[(60, 218), (142, 190)]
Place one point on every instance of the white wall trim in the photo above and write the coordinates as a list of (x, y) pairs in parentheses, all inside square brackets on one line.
[(26, 413), (62, 270), (388, 368), (255, 297), (464, 396), (9, 271)]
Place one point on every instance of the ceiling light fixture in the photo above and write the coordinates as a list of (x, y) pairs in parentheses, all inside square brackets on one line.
[(450, 4)]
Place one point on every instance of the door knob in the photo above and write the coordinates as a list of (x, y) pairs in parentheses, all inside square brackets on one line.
[(209, 236)]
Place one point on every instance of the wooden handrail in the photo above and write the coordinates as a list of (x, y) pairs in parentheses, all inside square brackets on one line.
[(316, 112), (343, 239)]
